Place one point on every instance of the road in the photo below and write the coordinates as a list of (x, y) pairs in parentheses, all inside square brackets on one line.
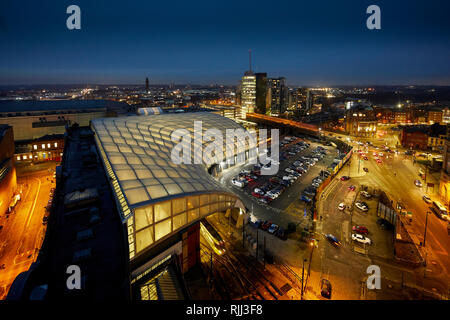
[(23, 231), (346, 268)]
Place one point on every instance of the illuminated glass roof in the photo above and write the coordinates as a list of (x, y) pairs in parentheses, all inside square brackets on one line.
[(138, 151)]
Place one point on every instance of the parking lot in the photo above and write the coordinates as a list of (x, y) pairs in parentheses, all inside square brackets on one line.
[(288, 185)]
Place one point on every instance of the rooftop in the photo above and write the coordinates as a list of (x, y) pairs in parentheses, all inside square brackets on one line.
[(13, 106), (138, 149), (84, 230)]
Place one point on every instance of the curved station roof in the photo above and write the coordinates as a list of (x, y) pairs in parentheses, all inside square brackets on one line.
[(156, 196)]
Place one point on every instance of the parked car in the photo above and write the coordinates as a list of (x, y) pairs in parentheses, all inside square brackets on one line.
[(305, 198), (281, 233), (264, 200), (309, 192), (275, 180), (365, 169), (273, 194), (361, 206), (325, 288), (238, 183), (266, 225), (366, 194), (345, 178), (360, 229), (273, 228), (258, 223), (360, 238), (352, 188), (417, 183), (341, 206), (257, 194), (426, 198)]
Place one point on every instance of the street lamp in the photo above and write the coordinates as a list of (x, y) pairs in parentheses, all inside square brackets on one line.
[(303, 275)]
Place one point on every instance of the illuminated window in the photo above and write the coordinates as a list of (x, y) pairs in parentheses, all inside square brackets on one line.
[(48, 145), (24, 157), (35, 147), (43, 146), (56, 144), (18, 158)]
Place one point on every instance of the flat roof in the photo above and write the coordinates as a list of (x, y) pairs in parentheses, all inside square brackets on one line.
[(13, 106)]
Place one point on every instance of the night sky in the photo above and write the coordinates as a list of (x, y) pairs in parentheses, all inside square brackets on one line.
[(203, 42)]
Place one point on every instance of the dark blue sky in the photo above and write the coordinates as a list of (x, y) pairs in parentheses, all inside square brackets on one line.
[(308, 42)]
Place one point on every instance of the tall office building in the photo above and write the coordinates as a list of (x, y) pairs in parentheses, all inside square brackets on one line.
[(248, 91), (261, 93), (279, 95), (146, 85)]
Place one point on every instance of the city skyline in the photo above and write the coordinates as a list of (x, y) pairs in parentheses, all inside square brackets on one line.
[(310, 44)]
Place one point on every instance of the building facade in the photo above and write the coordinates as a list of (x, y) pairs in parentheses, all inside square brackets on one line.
[(434, 116), (414, 137), (46, 148), (34, 119), (248, 93), (8, 179), (261, 93), (360, 121), (444, 183), (278, 95)]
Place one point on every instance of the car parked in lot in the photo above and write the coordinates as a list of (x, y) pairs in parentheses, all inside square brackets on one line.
[(257, 224), (273, 228), (238, 183), (361, 206), (281, 234), (360, 229), (273, 194), (305, 198), (309, 192), (365, 169), (366, 194), (341, 206), (345, 178), (289, 170), (266, 225), (360, 238), (259, 194), (352, 188)]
